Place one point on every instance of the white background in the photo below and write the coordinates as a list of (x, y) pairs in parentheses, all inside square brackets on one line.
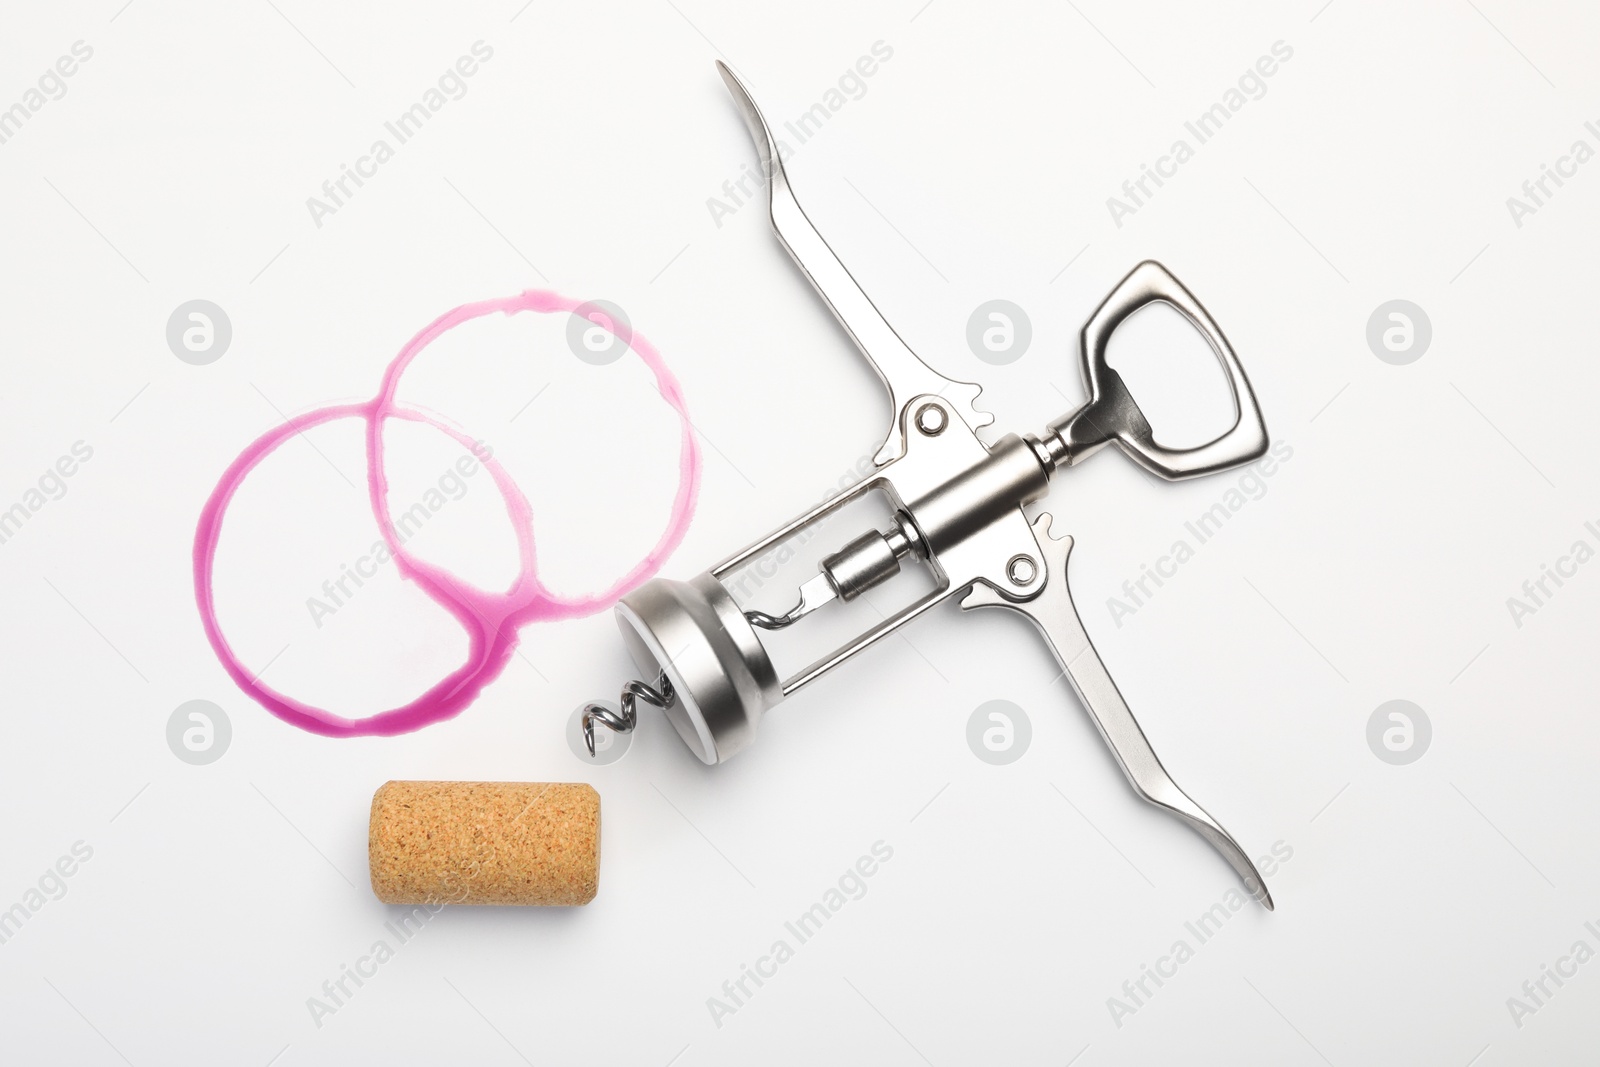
[(977, 165)]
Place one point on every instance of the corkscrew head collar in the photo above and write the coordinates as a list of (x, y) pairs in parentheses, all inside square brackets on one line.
[(718, 677)]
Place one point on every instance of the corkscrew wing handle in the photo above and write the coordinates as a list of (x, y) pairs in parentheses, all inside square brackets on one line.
[(902, 370), (1052, 611)]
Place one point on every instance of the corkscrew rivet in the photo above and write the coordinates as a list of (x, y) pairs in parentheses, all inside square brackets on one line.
[(1022, 570), (931, 420)]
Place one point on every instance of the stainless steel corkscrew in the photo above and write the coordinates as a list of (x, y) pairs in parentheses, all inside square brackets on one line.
[(957, 508)]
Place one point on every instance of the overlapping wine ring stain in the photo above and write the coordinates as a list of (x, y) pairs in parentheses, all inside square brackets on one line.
[(492, 620)]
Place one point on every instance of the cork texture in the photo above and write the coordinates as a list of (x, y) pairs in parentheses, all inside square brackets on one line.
[(485, 843)]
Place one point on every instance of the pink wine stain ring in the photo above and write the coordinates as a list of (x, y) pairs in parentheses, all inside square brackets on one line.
[(491, 620)]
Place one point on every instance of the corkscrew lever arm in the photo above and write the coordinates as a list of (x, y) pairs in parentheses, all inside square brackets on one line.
[(1053, 612), (902, 370)]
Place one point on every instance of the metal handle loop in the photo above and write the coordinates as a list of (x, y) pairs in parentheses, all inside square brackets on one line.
[(1112, 414)]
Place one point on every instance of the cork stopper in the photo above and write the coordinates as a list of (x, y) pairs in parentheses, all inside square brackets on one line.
[(485, 843)]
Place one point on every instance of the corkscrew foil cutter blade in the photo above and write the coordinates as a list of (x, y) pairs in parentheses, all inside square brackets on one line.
[(958, 508)]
